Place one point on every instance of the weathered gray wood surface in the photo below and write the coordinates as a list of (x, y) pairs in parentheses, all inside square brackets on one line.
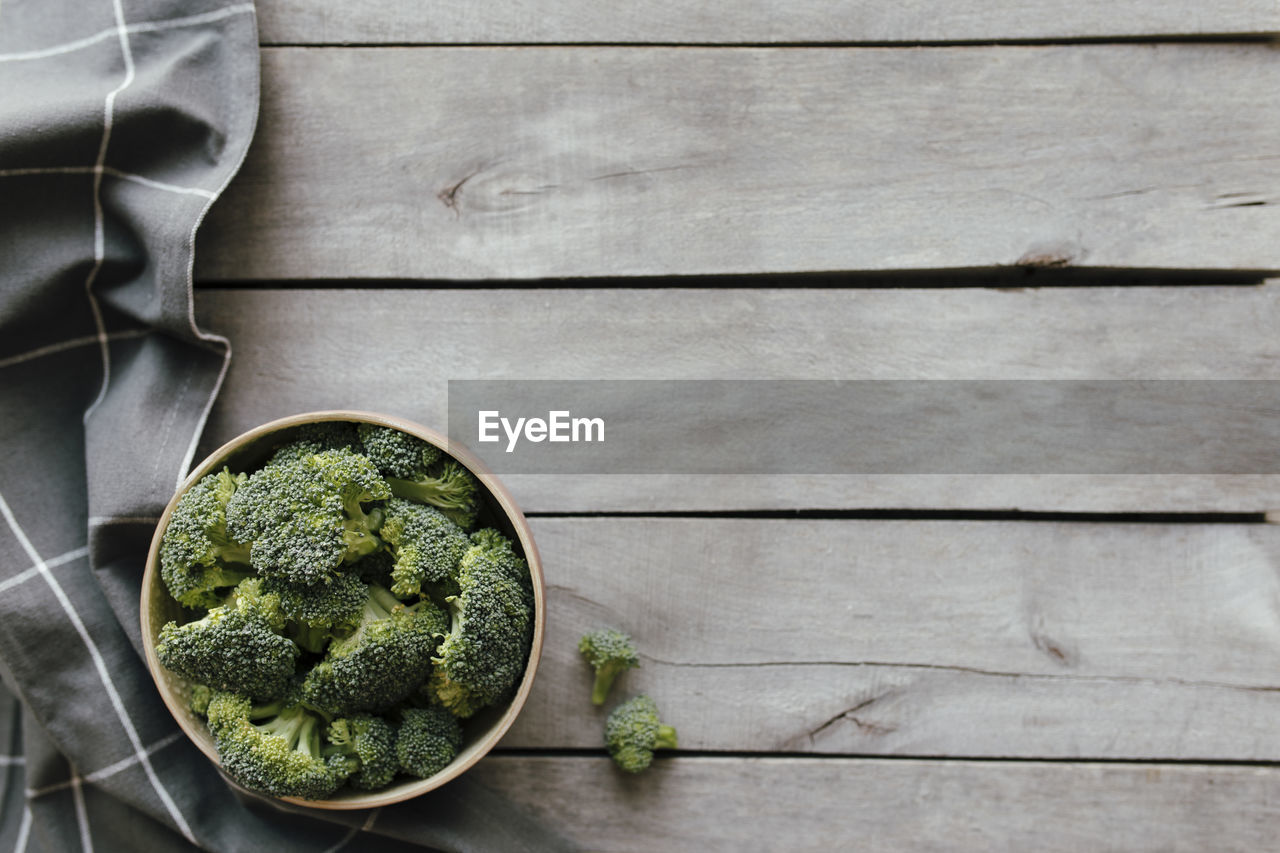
[(844, 804), (662, 21), (286, 361), (921, 638), (474, 163)]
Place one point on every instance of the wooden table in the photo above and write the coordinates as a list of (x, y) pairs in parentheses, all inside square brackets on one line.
[(817, 189)]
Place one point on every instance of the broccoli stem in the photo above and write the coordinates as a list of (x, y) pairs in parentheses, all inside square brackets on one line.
[(287, 724), (359, 530), (442, 493), (380, 603), (666, 738), (234, 552), (605, 677)]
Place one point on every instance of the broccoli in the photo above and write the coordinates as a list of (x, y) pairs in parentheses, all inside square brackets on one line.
[(343, 626), (335, 605), (428, 739), (396, 453), (484, 652), (382, 662), (417, 470), (633, 731), (610, 652), (236, 646), (314, 438), (367, 745), (199, 698), (197, 556), (306, 517), (274, 748), (427, 546)]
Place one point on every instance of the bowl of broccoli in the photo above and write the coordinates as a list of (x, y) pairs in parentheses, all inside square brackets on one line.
[(341, 610)]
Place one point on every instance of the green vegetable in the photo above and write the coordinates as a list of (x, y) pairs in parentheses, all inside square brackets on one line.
[(633, 731), (610, 652), (367, 746), (197, 555), (427, 546), (428, 739), (384, 661), (418, 471), (274, 748), (396, 453), (334, 605), (446, 486), (491, 625), (237, 646), (342, 628), (306, 517)]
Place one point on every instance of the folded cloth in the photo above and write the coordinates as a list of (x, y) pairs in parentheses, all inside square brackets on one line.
[(120, 123)]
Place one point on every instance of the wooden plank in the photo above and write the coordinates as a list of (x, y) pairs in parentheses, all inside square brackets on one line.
[(285, 362), (758, 21), (921, 638), (805, 804), (523, 164)]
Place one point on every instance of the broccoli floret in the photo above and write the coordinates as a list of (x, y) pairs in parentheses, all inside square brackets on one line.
[(382, 662), (197, 556), (633, 731), (199, 698), (610, 652), (306, 517), (334, 605), (427, 546), (419, 471), (428, 739), (315, 438), (367, 745), (274, 748), (397, 453), (236, 646), (448, 487), (484, 653)]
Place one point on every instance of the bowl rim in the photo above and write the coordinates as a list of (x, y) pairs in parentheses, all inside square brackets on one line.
[(199, 735)]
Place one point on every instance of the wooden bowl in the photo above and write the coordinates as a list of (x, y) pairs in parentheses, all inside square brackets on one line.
[(247, 452)]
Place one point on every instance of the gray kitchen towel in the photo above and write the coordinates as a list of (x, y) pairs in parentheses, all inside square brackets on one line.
[(120, 123)]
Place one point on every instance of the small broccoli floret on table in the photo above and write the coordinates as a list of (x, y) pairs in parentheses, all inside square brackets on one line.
[(483, 655), (610, 652), (426, 545), (367, 746), (428, 739), (633, 731), (385, 660), (397, 453), (275, 748), (236, 646), (307, 517), (198, 557)]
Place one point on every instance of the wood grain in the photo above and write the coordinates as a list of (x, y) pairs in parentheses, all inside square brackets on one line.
[(560, 162), (286, 361), (820, 805), (664, 21), (921, 638)]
